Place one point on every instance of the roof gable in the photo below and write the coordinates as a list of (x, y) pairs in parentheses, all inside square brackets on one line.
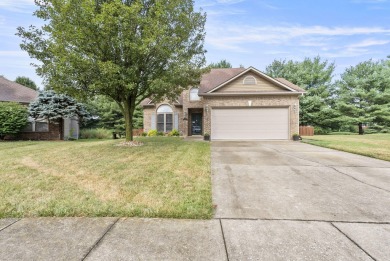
[(264, 83), (217, 77), (14, 92), (250, 82)]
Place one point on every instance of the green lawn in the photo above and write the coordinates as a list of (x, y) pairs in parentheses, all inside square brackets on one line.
[(167, 177), (372, 145)]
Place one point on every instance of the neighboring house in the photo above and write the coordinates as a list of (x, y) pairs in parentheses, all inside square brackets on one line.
[(231, 104), (40, 129)]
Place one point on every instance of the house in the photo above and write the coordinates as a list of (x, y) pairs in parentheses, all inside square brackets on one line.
[(230, 104), (36, 129)]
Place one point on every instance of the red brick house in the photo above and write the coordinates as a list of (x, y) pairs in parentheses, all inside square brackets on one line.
[(37, 129), (230, 104)]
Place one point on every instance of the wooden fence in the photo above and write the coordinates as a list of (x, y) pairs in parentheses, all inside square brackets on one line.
[(306, 131), (137, 132)]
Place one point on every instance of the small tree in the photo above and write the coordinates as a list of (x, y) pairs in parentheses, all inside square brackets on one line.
[(25, 81), (54, 107), (13, 118)]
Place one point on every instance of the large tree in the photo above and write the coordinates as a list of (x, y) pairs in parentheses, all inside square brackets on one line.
[(107, 114), (315, 76), (127, 50), (25, 81), (364, 94)]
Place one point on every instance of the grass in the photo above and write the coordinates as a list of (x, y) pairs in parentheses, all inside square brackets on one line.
[(372, 145), (167, 177)]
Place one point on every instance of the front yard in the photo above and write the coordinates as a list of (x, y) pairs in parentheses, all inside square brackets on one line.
[(167, 177), (372, 145)]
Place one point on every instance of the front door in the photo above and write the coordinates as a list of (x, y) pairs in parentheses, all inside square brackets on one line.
[(196, 123)]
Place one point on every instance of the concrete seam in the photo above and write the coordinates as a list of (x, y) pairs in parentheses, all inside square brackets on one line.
[(354, 242), (358, 179), (224, 240), (9, 225), (100, 239), (307, 220), (331, 167)]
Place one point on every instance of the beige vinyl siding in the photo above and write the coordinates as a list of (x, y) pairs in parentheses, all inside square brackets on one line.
[(250, 124), (262, 85)]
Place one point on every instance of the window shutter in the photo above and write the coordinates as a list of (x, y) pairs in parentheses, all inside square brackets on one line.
[(176, 121), (153, 122)]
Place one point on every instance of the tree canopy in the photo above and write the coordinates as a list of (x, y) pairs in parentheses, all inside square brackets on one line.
[(364, 94), (25, 81), (54, 107), (126, 50), (221, 64), (13, 118), (315, 75), (107, 114)]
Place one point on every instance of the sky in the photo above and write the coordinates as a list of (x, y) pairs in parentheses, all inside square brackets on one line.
[(249, 32)]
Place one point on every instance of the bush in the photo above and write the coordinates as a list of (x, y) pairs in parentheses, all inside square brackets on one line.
[(152, 133), (99, 133), (160, 133), (13, 118), (370, 131), (321, 131), (349, 128), (144, 134), (174, 132)]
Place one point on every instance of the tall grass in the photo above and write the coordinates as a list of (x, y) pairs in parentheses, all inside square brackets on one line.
[(98, 133)]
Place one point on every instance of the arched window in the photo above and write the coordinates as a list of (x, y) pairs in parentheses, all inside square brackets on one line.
[(249, 80), (194, 94), (164, 118)]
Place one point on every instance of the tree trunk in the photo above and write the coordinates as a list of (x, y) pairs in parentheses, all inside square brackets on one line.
[(361, 131), (129, 106)]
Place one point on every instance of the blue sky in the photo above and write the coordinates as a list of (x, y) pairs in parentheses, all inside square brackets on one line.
[(250, 32)]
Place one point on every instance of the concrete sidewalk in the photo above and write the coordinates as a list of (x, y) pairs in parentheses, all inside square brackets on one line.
[(169, 239)]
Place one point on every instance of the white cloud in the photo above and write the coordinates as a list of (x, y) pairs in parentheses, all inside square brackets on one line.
[(23, 6), (310, 35), (368, 43)]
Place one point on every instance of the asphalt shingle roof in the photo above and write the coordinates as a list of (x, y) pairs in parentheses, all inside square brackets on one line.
[(216, 77), (15, 92)]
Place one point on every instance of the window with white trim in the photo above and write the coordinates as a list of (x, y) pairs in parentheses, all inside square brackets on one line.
[(36, 126), (249, 80), (194, 94), (164, 118)]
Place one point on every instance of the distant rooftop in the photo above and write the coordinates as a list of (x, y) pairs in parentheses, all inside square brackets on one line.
[(14, 92)]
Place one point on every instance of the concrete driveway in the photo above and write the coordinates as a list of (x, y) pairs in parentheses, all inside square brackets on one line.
[(285, 199)]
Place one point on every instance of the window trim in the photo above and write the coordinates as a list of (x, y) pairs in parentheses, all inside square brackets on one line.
[(33, 125), (164, 113), (197, 94)]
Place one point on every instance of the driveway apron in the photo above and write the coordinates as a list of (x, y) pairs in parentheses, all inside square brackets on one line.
[(297, 181)]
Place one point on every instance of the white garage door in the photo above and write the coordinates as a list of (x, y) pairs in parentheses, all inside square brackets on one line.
[(250, 124)]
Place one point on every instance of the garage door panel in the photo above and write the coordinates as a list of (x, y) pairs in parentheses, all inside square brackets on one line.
[(250, 124)]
